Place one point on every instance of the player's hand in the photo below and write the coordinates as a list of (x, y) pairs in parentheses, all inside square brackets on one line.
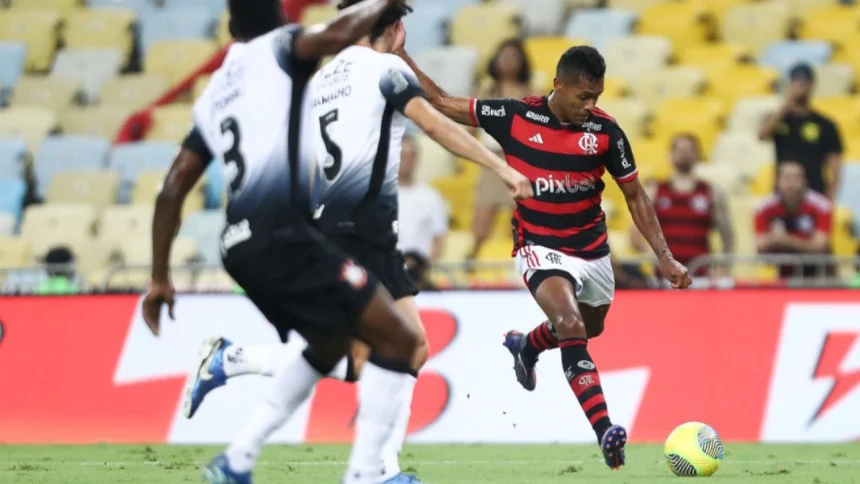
[(160, 293), (399, 37), (519, 186), (676, 273)]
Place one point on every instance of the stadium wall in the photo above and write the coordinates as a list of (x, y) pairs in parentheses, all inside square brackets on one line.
[(774, 366)]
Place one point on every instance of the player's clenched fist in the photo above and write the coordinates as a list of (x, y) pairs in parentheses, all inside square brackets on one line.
[(520, 187), (676, 273)]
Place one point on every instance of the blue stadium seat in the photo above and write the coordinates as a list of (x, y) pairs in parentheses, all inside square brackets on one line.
[(205, 228), (214, 189), (131, 4), (179, 23), (13, 155), (217, 6), (24, 280), (132, 158), (449, 6), (849, 195), (12, 57), (12, 193), (69, 153), (782, 56), (600, 26), (427, 28)]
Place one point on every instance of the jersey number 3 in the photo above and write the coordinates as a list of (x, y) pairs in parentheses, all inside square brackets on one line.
[(331, 169), (233, 155)]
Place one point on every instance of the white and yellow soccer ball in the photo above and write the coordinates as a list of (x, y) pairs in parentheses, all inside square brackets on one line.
[(693, 449)]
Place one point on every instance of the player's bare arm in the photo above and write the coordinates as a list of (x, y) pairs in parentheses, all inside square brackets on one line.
[(642, 211), (350, 25), (456, 108), (186, 170), (458, 141), (636, 240)]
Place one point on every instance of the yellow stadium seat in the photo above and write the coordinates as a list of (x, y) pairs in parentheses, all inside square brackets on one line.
[(713, 58), (223, 34), (652, 158), (119, 222), (670, 83), (701, 116), (743, 151), (502, 224), (99, 189), (170, 123), (718, 8), (135, 91), (764, 181), (148, 185), (484, 26), (742, 80), (631, 114), (756, 25), (199, 85), (317, 14), (38, 28), (104, 121), (834, 79), (62, 6), (46, 92), (845, 112), (614, 88), (14, 252), (803, 8), (683, 23), (619, 241), (544, 53), (614, 205), (836, 24), (138, 251), (101, 27), (433, 160), (751, 112), (30, 123), (852, 150), (629, 57), (722, 176), (45, 226), (459, 192), (844, 243), (176, 60), (742, 213), (634, 5), (90, 255), (458, 245)]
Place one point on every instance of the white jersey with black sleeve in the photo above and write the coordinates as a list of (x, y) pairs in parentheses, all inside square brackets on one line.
[(358, 101), (252, 115)]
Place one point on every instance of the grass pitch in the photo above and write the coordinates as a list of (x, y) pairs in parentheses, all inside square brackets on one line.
[(459, 464)]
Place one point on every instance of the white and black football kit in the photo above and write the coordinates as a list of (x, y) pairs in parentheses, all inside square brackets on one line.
[(358, 100), (254, 115)]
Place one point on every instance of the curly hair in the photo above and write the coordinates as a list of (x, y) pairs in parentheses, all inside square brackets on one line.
[(525, 73), (391, 16)]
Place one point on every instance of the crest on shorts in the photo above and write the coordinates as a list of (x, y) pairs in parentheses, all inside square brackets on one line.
[(353, 274)]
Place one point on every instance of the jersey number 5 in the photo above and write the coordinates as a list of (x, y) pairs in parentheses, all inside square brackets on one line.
[(233, 155), (331, 169)]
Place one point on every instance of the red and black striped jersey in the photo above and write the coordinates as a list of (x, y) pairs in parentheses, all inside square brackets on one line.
[(565, 164), (686, 219)]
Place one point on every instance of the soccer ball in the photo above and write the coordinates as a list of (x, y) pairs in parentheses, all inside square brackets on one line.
[(693, 449)]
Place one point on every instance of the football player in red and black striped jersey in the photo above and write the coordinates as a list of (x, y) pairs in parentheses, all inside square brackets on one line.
[(564, 144)]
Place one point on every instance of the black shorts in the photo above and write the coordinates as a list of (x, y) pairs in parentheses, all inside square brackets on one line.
[(303, 281), (386, 263)]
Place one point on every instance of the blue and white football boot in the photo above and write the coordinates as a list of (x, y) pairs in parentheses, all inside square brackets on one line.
[(210, 375), (218, 472), (612, 444)]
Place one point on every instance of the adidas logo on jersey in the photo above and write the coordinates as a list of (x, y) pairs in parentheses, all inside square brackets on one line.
[(537, 139)]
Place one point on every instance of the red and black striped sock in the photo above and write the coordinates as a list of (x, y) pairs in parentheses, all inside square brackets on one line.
[(584, 380), (539, 340)]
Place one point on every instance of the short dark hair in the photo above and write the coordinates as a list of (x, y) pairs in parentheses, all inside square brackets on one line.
[(252, 18), (581, 61), (692, 138), (391, 16), (525, 74)]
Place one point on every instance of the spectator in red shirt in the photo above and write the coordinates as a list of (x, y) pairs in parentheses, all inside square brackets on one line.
[(795, 220)]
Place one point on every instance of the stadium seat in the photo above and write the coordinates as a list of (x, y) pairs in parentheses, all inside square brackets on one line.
[(802, 8), (205, 229), (673, 82), (134, 90), (722, 176), (317, 14), (47, 92), (138, 251), (652, 158), (844, 244), (751, 112), (14, 252), (427, 29), (784, 55), (743, 151), (452, 67), (713, 58), (845, 112), (62, 6), (433, 160), (741, 212), (756, 25), (834, 79), (459, 192), (600, 26), (484, 26), (38, 29), (631, 114), (13, 157), (633, 5), (199, 86), (44, 226), (124, 4), (176, 23), (12, 192), (104, 121), (701, 116), (742, 80), (131, 159), (8, 221), (451, 7), (13, 56), (540, 17), (683, 23), (170, 123), (148, 185), (109, 28), (216, 6), (544, 53), (98, 188), (629, 57), (32, 124), (69, 153), (120, 222), (849, 195), (835, 24), (764, 181), (177, 59), (614, 88), (458, 244), (92, 68)]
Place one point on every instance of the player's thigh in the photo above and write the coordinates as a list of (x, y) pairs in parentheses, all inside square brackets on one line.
[(555, 283), (327, 349), (409, 309), (385, 330), (598, 292)]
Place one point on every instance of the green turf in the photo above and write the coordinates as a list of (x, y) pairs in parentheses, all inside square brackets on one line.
[(111, 464)]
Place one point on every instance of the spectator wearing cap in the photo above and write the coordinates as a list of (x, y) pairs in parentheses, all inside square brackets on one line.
[(806, 136), (59, 264)]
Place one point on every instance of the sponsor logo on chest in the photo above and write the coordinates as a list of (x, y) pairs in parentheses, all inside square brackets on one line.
[(554, 185)]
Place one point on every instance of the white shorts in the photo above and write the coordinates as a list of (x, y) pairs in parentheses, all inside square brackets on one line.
[(595, 280)]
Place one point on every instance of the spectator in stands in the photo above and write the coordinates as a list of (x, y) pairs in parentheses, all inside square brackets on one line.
[(423, 218), (688, 207), (795, 220), (804, 135), (510, 76), (59, 264)]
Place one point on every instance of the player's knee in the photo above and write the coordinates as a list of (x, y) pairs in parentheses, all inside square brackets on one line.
[(570, 326)]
